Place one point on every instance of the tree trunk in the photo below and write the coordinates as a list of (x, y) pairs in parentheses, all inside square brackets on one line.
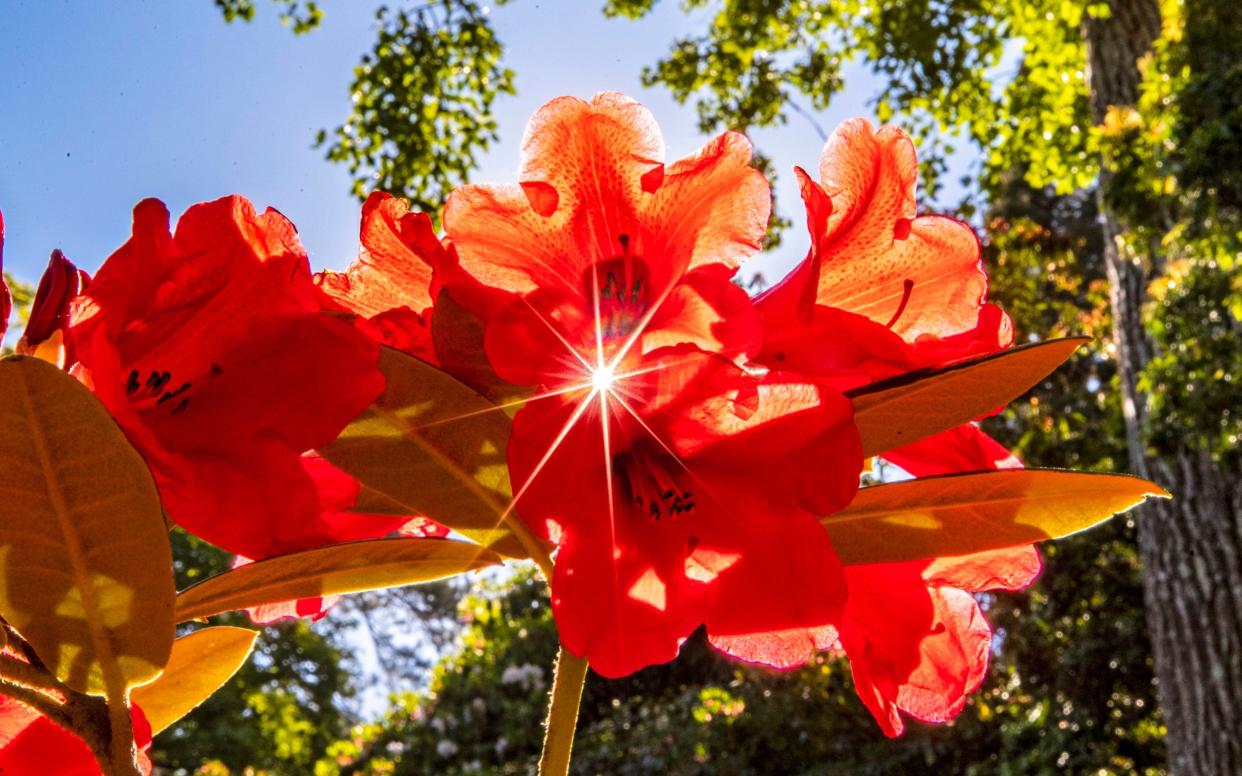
[(1191, 547)]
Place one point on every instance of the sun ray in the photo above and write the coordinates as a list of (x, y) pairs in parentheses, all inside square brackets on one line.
[(618, 389), (640, 327), (557, 334), (660, 365), (599, 326), (547, 456), (506, 405), (612, 507), (699, 482), (650, 431)]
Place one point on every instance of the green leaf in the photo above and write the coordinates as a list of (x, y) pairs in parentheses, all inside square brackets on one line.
[(437, 448), (200, 664), (964, 513), (340, 568), (913, 406), (85, 564)]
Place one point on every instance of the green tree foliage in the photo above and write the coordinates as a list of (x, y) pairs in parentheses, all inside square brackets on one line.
[(1180, 199), (422, 102), (941, 65), (282, 709), (1195, 318), (422, 97), (1205, 136), (300, 15), (1072, 687), (23, 296), (485, 699)]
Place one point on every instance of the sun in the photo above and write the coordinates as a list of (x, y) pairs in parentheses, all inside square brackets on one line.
[(602, 378)]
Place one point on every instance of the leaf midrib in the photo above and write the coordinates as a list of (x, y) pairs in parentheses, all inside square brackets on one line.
[(410, 433), (190, 607), (114, 683), (871, 512)]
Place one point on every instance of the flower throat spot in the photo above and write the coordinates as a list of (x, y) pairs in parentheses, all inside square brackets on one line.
[(620, 288)]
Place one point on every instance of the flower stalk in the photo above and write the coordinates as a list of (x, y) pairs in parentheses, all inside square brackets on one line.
[(558, 740)]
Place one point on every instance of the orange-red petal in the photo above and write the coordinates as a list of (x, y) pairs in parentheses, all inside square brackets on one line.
[(965, 448), (712, 207), (875, 257), (912, 648), (781, 601), (592, 187), (391, 285)]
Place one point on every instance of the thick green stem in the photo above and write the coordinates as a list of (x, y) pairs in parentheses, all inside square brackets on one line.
[(558, 740)]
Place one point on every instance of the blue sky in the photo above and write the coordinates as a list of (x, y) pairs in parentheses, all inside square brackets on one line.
[(107, 103)]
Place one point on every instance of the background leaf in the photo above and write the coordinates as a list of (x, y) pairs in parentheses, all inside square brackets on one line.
[(436, 447), (964, 513), (201, 662), (340, 568), (85, 564), (910, 407)]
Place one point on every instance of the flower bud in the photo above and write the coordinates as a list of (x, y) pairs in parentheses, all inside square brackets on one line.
[(60, 285), (6, 299)]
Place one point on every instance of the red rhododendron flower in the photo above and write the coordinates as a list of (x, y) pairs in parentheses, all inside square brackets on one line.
[(917, 640), (210, 349), (390, 286), (395, 290), (6, 298), (672, 479), (883, 292), (33, 745)]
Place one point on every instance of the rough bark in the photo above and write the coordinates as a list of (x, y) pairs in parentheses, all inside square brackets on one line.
[(1191, 547)]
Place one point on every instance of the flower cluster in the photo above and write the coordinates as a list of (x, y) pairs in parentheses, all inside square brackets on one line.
[(683, 440), (680, 455)]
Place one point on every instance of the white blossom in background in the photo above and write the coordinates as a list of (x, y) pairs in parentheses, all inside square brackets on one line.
[(395, 747), (528, 675)]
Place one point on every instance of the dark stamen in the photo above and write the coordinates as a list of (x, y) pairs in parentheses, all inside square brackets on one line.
[(157, 380), (174, 394)]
